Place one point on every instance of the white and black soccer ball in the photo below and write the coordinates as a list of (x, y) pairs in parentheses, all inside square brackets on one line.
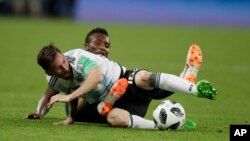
[(169, 115)]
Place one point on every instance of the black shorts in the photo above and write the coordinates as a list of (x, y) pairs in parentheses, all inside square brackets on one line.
[(136, 101), (88, 113)]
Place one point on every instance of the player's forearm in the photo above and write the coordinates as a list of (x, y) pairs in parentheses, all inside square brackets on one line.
[(72, 107), (93, 79), (85, 88), (42, 108)]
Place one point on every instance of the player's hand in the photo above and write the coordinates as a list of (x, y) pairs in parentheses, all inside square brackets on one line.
[(65, 122), (58, 98), (33, 116)]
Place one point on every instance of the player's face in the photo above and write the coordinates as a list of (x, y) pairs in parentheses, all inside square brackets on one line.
[(99, 44), (61, 67)]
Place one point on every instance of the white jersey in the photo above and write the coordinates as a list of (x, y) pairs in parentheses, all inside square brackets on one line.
[(82, 62)]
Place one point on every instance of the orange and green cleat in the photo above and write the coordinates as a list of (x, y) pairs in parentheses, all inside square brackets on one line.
[(193, 64), (189, 124), (206, 90), (116, 92)]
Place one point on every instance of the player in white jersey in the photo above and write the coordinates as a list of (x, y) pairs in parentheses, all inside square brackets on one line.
[(81, 63), (55, 63), (97, 41)]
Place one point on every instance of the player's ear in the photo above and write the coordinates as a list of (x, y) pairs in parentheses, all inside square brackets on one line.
[(85, 46)]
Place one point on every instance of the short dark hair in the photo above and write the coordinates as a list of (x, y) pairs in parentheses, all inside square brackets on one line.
[(96, 30), (47, 55)]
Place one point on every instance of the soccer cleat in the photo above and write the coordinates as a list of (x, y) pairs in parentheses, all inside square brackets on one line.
[(104, 108), (189, 124), (193, 64), (116, 92), (206, 90)]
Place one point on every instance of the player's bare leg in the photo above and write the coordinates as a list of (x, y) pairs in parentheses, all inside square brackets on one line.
[(116, 92)]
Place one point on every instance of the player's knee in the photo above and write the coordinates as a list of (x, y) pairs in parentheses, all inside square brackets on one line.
[(142, 79), (118, 117), (143, 75)]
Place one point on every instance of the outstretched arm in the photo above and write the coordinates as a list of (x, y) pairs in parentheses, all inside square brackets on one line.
[(42, 108), (93, 79)]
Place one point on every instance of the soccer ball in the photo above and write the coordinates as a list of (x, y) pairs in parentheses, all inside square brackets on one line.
[(169, 115)]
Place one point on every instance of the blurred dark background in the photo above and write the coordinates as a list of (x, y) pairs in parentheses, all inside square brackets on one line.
[(37, 8), (170, 12)]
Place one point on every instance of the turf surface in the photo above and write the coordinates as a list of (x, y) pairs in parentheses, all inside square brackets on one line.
[(157, 48)]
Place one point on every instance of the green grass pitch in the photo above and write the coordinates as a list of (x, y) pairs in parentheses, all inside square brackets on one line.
[(158, 48)]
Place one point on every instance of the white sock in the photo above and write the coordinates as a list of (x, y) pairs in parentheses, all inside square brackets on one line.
[(140, 122), (174, 83)]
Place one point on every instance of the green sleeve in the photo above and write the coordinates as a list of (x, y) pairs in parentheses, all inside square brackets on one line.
[(86, 64)]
